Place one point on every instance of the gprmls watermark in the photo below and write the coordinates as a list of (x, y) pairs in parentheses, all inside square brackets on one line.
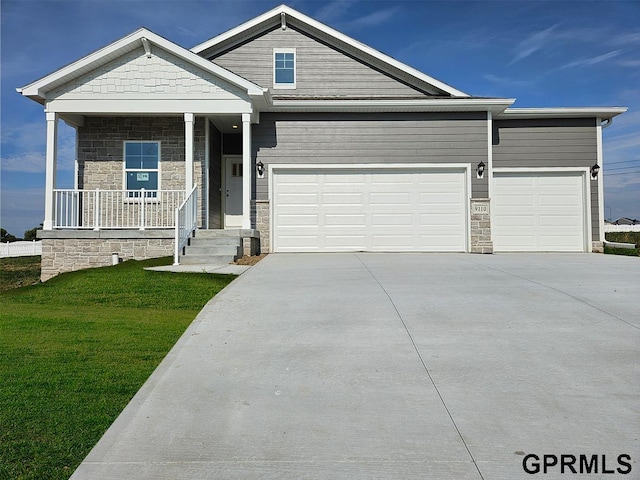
[(579, 464)]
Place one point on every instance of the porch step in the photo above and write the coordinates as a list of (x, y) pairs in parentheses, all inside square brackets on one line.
[(207, 259), (213, 247)]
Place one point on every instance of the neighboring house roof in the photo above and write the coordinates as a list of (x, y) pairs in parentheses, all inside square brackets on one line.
[(284, 15), (142, 37), (626, 221)]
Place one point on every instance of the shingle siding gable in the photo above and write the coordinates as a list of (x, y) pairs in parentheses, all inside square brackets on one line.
[(135, 73), (321, 69)]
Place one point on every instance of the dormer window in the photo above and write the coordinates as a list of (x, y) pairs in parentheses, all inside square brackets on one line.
[(284, 68)]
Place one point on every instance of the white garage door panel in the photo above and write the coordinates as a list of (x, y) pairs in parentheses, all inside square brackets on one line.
[(538, 212), (370, 211)]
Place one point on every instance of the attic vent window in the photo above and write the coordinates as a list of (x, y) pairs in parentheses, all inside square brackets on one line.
[(284, 68)]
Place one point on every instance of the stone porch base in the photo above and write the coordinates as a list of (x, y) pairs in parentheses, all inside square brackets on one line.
[(71, 250)]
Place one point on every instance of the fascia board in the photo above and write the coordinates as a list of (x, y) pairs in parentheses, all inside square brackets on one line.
[(562, 112), (39, 87), (358, 46), (461, 105)]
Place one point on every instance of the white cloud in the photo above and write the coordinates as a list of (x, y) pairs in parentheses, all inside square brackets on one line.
[(28, 141), (586, 62), (533, 43), (629, 63), (626, 39), (507, 82), (374, 19)]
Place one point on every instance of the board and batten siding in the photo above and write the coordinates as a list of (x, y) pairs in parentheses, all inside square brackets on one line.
[(549, 143), (320, 70), (352, 138)]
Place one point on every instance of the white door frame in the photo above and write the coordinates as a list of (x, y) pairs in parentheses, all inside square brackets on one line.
[(225, 159)]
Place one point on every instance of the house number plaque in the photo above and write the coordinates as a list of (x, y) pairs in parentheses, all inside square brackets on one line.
[(480, 208)]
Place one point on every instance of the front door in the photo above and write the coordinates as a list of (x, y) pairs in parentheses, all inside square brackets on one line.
[(233, 192)]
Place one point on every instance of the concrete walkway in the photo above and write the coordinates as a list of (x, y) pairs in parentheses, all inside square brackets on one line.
[(349, 366)]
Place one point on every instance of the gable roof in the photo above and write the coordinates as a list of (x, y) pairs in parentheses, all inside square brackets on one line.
[(142, 37), (284, 15)]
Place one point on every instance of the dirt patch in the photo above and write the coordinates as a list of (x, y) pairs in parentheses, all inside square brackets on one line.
[(252, 260)]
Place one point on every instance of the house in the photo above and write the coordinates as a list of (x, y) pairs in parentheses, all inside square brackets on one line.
[(626, 221), (293, 137)]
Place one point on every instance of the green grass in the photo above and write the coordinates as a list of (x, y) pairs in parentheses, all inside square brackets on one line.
[(19, 272), (623, 237), (75, 349)]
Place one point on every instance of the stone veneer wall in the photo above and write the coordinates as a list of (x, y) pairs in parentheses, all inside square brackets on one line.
[(61, 254), (261, 220), (101, 151), (481, 226)]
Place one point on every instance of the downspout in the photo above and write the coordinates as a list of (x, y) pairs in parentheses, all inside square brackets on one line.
[(600, 160)]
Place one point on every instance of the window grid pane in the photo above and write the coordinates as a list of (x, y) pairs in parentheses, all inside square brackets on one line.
[(284, 68), (141, 165)]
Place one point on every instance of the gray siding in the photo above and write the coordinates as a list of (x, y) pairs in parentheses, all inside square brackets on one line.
[(371, 138), (321, 70), (549, 143)]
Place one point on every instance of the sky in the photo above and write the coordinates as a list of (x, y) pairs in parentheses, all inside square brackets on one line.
[(543, 53)]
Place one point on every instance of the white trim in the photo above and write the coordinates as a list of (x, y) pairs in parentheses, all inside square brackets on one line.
[(600, 179), (124, 162), (285, 86), (189, 127), (207, 167), (357, 46), (50, 168), (494, 105), (586, 190), (224, 186), (118, 48), (273, 168), (247, 174), (489, 171), (562, 112)]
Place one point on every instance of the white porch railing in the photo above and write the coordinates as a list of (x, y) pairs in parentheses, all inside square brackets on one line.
[(186, 221), (115, 209)]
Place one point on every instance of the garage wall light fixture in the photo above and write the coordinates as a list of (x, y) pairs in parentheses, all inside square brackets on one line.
[(260, 169), (594, 170), (480, 169)]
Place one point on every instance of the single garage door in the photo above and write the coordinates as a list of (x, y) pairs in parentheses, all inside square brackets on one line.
[(536, 212), (320, 210)]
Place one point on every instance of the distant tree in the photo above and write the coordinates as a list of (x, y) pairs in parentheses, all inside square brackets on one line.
[(31, 234), (6, 236)]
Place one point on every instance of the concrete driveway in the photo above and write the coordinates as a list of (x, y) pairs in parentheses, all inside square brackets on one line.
[(428, 366)]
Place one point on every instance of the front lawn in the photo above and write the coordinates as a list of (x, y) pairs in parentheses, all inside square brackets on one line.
[(623, 237), (19, 272), (75, 349)]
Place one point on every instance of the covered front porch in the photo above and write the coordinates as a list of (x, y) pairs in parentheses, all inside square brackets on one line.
[(155, 159), (163, 148)]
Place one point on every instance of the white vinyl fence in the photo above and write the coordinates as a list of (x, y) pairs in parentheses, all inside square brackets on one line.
[(20, 249), (621, 228)]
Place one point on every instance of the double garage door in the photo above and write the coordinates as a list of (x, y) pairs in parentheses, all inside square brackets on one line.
[(375, 210), (538, 212)]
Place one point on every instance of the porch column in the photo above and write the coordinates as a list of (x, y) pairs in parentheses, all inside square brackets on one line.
[(247, 171), (51, 168), (188, 150)]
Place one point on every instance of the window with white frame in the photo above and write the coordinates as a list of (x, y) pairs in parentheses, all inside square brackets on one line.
[(142, 168), (284, 68)]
